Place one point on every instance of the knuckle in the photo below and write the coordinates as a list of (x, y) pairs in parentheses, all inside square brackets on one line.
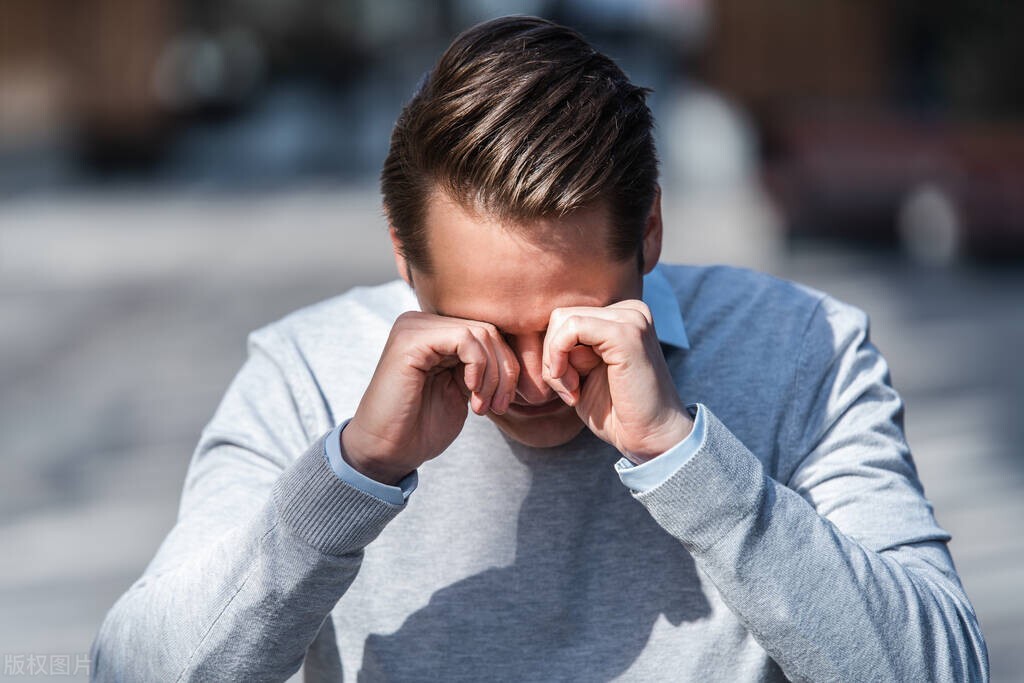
[(409, 318), (645, 311), (401, 324), (636, 331), (490, 378), (634, 316), (399, 335), (478, 333)]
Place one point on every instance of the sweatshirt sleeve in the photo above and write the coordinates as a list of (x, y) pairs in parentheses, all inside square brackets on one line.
[(839, 571), (267, 539)]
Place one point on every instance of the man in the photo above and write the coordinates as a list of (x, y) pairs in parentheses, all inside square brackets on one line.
[(541, 456)]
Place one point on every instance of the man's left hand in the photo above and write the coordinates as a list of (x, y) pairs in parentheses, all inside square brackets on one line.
[(607, 363)]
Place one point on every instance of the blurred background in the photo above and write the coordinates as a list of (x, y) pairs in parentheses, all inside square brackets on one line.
[(174, 174)]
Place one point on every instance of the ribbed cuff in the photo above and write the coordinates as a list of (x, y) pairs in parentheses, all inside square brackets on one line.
[(719, 487), (655, 471), (396, 495), (328, 513)]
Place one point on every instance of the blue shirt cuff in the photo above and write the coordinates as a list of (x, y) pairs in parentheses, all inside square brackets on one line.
[(396, 495), (657, 470)]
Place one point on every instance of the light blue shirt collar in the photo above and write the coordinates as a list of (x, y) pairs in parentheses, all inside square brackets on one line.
[(668, 319)]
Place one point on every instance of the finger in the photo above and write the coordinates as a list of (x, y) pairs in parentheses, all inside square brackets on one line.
[(614, 341), (634, 305), (460, 382), (583, 360), (502, 372), (625, 314), (432, 347), (508, 373), (566, 385), (486, 379), (483, 397), (628, 309), (474, 361)]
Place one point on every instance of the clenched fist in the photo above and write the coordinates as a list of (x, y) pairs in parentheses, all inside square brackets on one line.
[(607, 362), (416, 402)]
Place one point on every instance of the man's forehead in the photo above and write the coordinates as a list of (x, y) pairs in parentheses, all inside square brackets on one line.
[(484, 269), (451, 224)]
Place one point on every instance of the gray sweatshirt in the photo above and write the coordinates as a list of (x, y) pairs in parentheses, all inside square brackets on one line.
[(795, 542)]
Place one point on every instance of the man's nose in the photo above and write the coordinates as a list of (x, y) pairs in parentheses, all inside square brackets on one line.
[(531, 387)]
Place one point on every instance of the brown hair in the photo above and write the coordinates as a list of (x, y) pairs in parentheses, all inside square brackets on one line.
[(522, 119)]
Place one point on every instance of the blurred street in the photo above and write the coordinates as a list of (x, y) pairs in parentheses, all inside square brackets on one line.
[(123, 317)]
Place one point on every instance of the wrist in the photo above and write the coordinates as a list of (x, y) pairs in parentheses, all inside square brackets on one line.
[(674, 433), (367, 466)]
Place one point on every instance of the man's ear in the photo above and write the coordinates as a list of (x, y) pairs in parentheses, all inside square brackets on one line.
[(400, 261), (652, 233)]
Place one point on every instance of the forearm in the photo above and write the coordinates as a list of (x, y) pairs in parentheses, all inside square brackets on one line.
[(252, 601), (822, 605)]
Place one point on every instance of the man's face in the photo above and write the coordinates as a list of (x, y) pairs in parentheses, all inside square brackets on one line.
[(513, 278)]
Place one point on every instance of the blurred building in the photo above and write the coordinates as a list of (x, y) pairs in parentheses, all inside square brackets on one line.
[(885, 121), (80, 72), (882, 119)]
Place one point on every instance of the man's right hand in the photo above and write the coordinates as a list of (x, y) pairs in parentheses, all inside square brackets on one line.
[(416, 402)]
